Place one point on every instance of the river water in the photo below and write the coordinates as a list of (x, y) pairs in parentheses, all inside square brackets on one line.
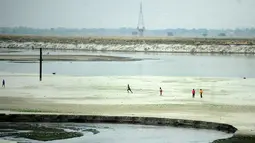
[(123, 133), (126, 133), (163, 64)]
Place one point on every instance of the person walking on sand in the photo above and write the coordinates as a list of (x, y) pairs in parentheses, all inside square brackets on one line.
[(193, 93), (129, 89), (201, 93), (3, 83), (160, 91)]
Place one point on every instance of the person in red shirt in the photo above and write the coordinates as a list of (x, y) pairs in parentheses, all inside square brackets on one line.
[(160, 91), (193, 93)]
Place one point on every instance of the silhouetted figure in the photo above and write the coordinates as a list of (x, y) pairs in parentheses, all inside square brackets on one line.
[(3, 83), (201, 93), (193, 93), (160, 91), (129, 89)]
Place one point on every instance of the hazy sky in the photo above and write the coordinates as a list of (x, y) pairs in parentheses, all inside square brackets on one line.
[(158, 14)]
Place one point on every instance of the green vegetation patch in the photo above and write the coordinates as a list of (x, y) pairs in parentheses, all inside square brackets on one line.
[(49, 136), (237, 139), (35, 132)]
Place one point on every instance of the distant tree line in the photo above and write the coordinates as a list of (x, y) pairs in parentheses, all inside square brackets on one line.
[(247, 32)]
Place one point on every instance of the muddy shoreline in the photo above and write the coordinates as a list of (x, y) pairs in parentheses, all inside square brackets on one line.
[(15, 58), (42, 131), (10, 124)]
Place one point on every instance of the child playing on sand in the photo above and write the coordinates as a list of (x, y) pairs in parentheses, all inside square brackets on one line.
[(193, 93), (129, 89), (201, 93), (160, 91), (3, 83)]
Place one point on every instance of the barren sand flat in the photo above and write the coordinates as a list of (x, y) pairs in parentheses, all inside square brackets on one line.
[(112, 90), (227, 100), (30, 58)]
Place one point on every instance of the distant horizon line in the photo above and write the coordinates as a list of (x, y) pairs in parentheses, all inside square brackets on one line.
[(126, 28)]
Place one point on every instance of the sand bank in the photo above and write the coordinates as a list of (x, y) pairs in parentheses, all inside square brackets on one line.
[(143, 47), (117, 119), (8, 57), (226, 100), (124, 40), (129, 44)]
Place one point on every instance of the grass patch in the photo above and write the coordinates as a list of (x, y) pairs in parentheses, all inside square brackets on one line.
[(35, 132), (237, 139), (49, 136)]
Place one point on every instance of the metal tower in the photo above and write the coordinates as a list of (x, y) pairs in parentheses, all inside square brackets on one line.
[(140, 25)]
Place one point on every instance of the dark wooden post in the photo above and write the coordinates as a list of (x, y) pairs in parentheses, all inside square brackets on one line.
[(40, 64)]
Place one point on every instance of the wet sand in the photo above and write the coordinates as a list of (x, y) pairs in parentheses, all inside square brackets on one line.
[(8, 57), (223, 100)]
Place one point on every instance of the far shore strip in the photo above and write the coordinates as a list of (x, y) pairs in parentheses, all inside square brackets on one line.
[(128, 39)]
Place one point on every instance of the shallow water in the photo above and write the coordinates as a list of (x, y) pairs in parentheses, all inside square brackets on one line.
[(124, 133), (119, 133), (202, 65)]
